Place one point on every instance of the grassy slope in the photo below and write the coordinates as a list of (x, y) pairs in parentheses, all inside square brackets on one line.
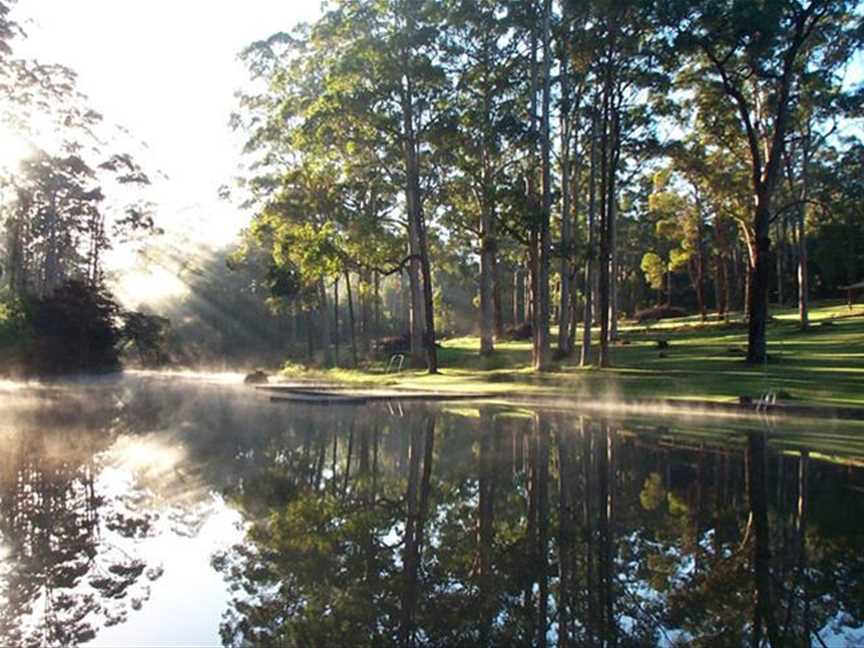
[(823, 365)]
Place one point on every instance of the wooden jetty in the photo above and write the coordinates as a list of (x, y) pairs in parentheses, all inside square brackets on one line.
[(322, 394)]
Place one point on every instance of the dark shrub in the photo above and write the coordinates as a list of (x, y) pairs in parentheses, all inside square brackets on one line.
[(147, 336), (659, 313), (393, 344), (15, 335), (521, 332), (74, 330)]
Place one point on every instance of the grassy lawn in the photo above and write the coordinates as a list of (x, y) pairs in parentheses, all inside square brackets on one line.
[(703, 362)]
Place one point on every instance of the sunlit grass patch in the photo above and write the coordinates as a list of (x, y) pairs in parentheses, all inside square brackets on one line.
[(703, 361)]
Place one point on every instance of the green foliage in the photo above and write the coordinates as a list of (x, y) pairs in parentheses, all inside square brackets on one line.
[(283, 281), (655, 270), (58, 219), (75, 329), (445, 316), (653, 494), (679, 258), (426, 107), (15, 333), (148, 336), (836, 224)]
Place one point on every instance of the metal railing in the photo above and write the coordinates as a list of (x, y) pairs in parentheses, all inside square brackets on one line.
[(396, 356), (766, 400)]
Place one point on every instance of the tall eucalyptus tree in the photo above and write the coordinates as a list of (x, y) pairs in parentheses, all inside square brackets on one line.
[(482, 58), (753, 56)]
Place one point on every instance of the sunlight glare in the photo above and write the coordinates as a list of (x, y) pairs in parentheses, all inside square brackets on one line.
[(14, 149), (148, 286), (147, 457)]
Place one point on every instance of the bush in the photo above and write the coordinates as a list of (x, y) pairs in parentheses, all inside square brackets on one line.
[(148, 337), (74, 330), (15, 334), (387, 346), (79, 328), (659, 313), (520, 332)]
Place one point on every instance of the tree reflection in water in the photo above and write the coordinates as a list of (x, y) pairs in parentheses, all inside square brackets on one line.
[(429, 527), (66, 569), (498, 528)]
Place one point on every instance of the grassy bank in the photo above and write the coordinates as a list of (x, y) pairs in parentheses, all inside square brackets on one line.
[(704, 361)]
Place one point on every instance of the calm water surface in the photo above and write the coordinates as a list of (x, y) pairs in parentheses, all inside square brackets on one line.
[(148, 511)]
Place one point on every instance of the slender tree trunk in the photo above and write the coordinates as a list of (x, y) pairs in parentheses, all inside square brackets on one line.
[(310, 335), (727, 287), (496, 295), (16, 255), (376, 281), (351, 321), (534, 280), (487, 280), (336, 321), (51, 262), (613, 264), (429, 339), (757, 350), (564, 312), (415, 284), (746, 277), (365, 325), (518, 298), (778, 262), (407, 303), (720, 287), (605, 243), (588, 317), (700, 271), (534, 203), (542, 357), (325, 323), (574, 310), (418, 266), (698, 281), (803, 281)]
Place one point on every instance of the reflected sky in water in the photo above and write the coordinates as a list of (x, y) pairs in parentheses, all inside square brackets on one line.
[(185, 511)]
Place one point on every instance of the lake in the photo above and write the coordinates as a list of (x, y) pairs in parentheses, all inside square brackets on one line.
[(156, 510)]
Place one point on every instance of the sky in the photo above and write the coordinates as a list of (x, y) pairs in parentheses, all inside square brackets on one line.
[(166, 70)]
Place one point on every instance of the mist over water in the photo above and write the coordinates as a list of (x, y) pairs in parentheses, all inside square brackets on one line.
[(152, 509)]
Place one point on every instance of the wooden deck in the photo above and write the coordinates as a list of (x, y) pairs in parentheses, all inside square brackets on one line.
[(321, 394)]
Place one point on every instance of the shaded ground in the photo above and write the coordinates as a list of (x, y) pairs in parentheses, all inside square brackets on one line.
[(703, 362)]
